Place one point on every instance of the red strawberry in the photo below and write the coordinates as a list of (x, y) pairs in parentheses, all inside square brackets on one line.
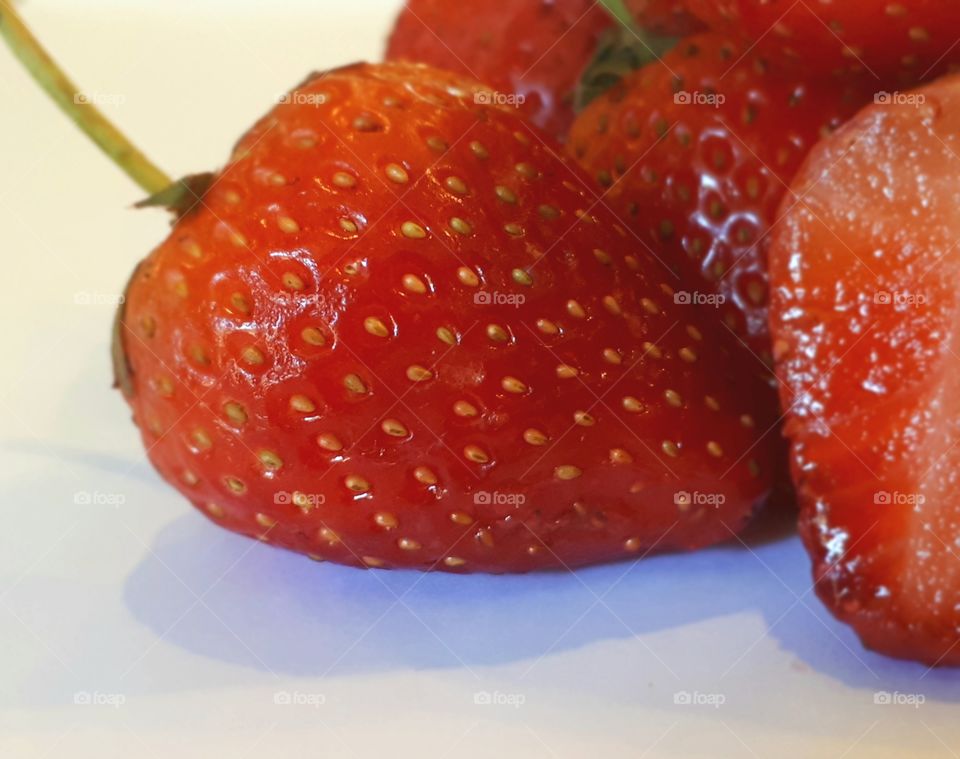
[(533, 49), (904, 39), (664, 17), (864, 317), (696, 152), (400, 332)]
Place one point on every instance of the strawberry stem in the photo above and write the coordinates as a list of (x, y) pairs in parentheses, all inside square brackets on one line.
[(65, 94), (618, 9)]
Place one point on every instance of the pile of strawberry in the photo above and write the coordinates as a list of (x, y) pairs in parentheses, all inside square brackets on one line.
[(420, 321)]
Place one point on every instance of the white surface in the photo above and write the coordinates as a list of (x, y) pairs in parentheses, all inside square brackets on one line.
[(197, 630)]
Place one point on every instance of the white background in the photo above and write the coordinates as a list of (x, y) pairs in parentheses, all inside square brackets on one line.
[(196, 631)]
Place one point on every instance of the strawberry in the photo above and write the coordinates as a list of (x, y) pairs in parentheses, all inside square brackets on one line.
[(398, 331), (532, 51), (864, 318), (664, 17), (911, 39), (696, 152)]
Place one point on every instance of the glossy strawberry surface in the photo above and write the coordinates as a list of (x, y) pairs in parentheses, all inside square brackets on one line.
[(400, 331), (695, 153), (910, 40), (532, 50), (865, 321)]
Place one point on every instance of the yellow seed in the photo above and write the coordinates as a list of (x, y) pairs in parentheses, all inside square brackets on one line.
[(687, 354), (534, 437), (673, 398), (649, 306), (612, 356), (694, 333), (325, 533), (458, 517), (632, 544), (270, 460), (670, 448), (479, 150), (287, 225), (348, 225), (522, 277), (201, 439), (356, 483), (919, 34), (302, 404), (484, 537), (354, 384), (712, 403), (476, 454), (313, 336), (446, 335), (746, 420), (236, 485), (460, 226), (424, 475), (468, 276), (214, 510), (291, 281), (235, 412), (251, 355), (396, 173), (454, 561), (412, 283), (385, 520), (547, 327), (413, 230), (373, 561), (343, 179), (526, 170), (408, 544), (464, 408), (265, 521), (631, 404), (375, 327), (548, 211), (620, 456), (632, 263), (497, 333), (565, 371), (437, 144), (575, 309), (417, 373), (513, 385), (652, 350), (456, 185), (513, 229), (610, 303), (714, 449), (329, 442), (394, 428), (189, 477), (583, 419), (505, 194), (567, 472), (602, 256)]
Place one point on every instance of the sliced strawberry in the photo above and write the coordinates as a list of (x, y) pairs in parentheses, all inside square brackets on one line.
[(909, 39), (696, 152), (399, 331), (531, 50), (864, 318)]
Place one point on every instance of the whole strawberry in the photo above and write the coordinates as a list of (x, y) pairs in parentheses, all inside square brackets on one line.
[(696, 152), (399, 332), (532, 51)]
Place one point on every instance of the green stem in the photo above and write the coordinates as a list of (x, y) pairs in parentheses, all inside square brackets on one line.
[(88, 117), (618, 10)]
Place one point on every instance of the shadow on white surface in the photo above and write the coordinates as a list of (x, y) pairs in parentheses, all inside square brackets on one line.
[(279, 612)]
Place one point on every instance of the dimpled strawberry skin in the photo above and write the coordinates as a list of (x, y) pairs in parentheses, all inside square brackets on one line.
[(398, 332)]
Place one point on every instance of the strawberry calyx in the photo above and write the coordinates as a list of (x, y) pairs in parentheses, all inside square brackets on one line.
[(180, 197)]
